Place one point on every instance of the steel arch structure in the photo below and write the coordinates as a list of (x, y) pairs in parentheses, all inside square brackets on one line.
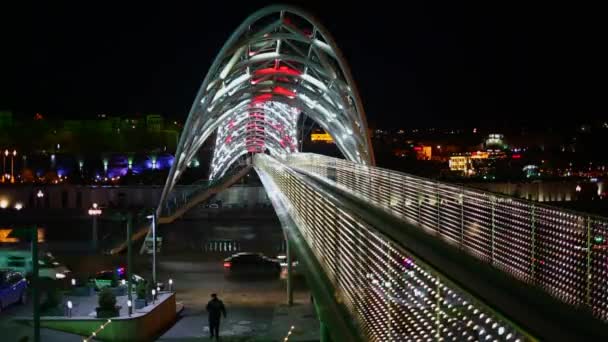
[(280, 63)]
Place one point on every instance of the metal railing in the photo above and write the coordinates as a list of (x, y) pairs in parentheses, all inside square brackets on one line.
[(392, 294), (562, 251), (178, 199)]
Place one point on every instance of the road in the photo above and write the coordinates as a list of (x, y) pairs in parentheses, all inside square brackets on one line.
[(253, 306)]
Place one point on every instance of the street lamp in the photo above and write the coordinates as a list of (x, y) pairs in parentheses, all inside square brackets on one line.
[(94, 211), (69, 307), (13, 166), (3, 203), (153, 217), (4, 165), (18, 206)]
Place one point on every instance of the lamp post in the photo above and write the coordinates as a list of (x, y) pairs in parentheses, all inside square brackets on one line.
[(94, 211), (4, 166), (69, 307), (13, 166), (153, 217), (39, 196), (129, 256), (34, 283)]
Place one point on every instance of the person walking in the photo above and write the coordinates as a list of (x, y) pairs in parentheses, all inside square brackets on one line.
[(215, 309)]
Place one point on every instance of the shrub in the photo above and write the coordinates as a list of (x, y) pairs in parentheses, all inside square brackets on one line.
[(141, 289), (114, 279), (107, 299)]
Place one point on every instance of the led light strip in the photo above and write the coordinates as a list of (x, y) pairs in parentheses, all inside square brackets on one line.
[(96, 332), (539, 244), (393, 295)]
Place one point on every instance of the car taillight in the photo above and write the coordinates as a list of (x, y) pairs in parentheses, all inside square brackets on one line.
[(227, 264)]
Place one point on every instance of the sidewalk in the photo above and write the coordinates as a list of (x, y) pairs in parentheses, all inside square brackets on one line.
[(249, 323), (301, 316)]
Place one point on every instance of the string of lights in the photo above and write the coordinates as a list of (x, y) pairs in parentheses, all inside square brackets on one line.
[(563, 252), (288, 334), (393, 295), (96, 332)]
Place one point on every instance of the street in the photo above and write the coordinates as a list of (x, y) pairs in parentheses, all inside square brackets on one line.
[(256, 307)]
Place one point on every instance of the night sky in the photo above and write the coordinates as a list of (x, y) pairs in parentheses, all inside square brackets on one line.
[(420, 64)]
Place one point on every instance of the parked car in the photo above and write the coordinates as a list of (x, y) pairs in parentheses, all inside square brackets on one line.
[(251, 264), (13, 288), (104, 278), (20, 260)]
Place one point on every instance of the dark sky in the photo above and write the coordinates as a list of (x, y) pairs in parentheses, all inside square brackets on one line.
[(420, 64)]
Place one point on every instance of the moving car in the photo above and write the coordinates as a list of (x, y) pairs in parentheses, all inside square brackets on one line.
[(251, 265), (13, 288)]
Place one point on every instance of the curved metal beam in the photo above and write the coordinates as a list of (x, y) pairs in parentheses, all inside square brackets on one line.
[(278, 62)]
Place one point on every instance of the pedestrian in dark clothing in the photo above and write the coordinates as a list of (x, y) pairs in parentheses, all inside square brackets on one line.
[(215, 309)]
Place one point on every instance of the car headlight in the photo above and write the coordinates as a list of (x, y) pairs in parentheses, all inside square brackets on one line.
[(59, 275)]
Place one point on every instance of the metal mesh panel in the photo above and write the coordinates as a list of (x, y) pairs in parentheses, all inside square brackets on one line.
[(562, 251), (393, 295)]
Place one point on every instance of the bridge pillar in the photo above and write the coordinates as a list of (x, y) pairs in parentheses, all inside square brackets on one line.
[(289, 272), (324, 334)]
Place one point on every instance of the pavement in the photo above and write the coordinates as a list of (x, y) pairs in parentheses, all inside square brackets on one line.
[(256, 309)]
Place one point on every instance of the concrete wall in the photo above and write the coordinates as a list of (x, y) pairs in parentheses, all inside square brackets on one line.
[(139, 327)]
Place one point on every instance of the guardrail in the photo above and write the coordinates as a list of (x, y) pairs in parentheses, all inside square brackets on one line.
[(562, 251), (391, 293), (176, 201)]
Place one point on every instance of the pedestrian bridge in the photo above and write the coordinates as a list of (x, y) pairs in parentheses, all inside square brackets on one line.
[(389, 256)]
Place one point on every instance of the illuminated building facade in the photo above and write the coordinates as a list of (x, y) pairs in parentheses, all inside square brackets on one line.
[(321, 137)]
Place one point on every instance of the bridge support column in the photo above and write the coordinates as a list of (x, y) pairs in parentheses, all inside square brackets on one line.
[(324, 333), (289, 272)]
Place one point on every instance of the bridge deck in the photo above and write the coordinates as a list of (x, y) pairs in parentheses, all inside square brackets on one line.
[(528, 306)]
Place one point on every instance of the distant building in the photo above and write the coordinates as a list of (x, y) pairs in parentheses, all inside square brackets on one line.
[(320, 136), (495, 142), (424, 152), (470, 163), (154, 123), (461, 164)]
